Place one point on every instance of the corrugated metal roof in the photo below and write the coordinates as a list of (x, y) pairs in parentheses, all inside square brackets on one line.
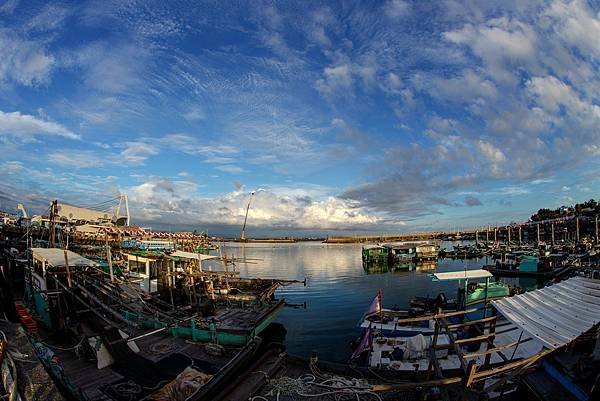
[(192, 255), (372, 246), (462, 275), (56, 257), (555, 315)]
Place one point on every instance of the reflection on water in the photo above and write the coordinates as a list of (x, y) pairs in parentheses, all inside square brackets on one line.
[(338, 289)]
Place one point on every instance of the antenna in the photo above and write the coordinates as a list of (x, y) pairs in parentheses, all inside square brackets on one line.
[(243, 236)]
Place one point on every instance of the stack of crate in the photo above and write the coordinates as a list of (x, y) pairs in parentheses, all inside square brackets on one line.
[(26, 319)]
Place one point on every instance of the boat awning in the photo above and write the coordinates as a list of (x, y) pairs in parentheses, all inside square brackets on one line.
[(192, 255), (557, 314), (462, 275), (56, 257), (372, 246)]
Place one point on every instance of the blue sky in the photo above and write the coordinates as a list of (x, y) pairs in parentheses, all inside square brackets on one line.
[(356, 116)]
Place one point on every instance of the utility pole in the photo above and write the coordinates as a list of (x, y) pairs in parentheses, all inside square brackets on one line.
[(577, 235), (109, 258), (552, 234), (53, 212), (508, 235), (538, 233), (596, 229), (520, 242)]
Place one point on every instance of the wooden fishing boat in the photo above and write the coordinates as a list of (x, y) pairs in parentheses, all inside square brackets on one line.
[(487, 353), (225, 314), (472, 295), (107, 340)]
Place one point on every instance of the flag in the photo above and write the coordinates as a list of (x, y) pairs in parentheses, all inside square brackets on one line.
[(365, 344), (376, 305)]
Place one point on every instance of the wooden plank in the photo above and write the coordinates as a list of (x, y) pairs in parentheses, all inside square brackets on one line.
[(454, 344), (438, 373), (519, 370), (490, 343), (384, 388), (471, 369), (475, 339), (484, 374), (429, 317), (496, 349), (471, 323)]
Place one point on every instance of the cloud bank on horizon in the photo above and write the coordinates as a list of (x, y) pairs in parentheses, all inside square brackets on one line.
[(377, 115)]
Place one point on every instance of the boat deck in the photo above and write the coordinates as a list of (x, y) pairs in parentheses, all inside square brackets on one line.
[(165, 353), (240, 319), (506, 333)]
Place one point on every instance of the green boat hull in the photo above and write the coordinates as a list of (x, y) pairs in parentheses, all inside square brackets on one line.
[(37, 301), (223, 337)]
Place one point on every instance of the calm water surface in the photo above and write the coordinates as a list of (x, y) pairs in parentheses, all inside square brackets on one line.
[(338, 290)]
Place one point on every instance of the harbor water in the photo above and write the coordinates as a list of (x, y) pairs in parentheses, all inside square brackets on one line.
[(338, 290)]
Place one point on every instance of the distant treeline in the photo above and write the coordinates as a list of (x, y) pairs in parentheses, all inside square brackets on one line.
[(590, 207)]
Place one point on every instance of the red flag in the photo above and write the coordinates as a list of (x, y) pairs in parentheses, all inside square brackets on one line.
[(365, 344), (376, 305)]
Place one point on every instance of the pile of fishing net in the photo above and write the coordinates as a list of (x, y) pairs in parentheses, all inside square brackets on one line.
[(308, 386)]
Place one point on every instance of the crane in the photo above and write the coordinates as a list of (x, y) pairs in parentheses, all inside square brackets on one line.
[(243, 236)]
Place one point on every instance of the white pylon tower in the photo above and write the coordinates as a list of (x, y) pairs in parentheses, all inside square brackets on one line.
[(125, 203)]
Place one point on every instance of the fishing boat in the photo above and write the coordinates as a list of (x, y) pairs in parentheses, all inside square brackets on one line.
[(495, 349), (395, 256), (58, 276), (483, 359), (528, 265), (375, 255), (474, 296), (108, 340)]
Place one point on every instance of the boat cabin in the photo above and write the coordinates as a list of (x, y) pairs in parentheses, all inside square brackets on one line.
[(375, 254), (42, 288), (474, 293)]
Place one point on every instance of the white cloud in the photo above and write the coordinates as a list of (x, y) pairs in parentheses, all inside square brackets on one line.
[(111, 69), (26, 127), (11, 167), (162, 200), (76, 159), (576, 24), (396, 8), (23, 61), (49, 19), (551, 93), (499, 42), (490, 152), (195, 113), (229, 168), (136, 152), (335, 78), (394, 84), (9, 6), (512, 190), (468, 87)]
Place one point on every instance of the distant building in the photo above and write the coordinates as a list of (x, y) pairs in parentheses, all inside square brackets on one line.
[(79, 215)]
